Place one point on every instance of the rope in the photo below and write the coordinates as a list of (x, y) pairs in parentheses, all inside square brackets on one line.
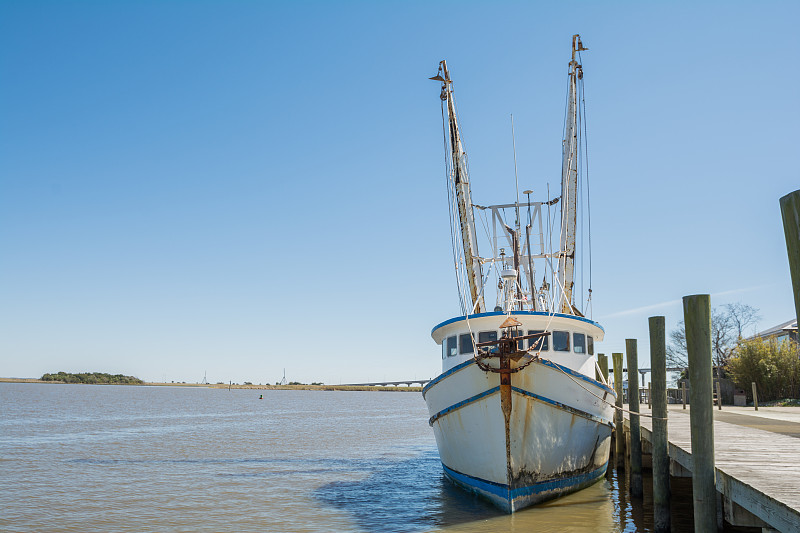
[(600, 373), (602, 399), (537, 357)]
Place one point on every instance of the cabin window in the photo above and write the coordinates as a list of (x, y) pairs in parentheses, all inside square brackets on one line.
[(590, 343), (465, 343), (452, 349), (540, 343), (444, 348), (486, 336), (561, 341), (579, 342), (520, 344)]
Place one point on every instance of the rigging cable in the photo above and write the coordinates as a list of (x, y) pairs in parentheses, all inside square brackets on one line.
[(450, 193), (464, 273), (516, 177), (493, 246), (603, 399), (578, 152), (550, 249), (588, 195), (564, 200)]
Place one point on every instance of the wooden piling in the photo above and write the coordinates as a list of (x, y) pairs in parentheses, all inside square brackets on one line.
[(633, 403), (697, 318), (619, 442), (719, 397), (790, 212), (683, 394), (660, 451), (602, 362), (755, 396)]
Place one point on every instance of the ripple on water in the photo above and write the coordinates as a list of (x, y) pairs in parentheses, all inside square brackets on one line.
[(189, 459)]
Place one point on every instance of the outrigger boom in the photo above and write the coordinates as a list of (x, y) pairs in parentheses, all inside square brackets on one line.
[(518, 291), (460, 178)]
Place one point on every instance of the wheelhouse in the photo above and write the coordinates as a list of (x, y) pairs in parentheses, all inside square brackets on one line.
[(570, 343)]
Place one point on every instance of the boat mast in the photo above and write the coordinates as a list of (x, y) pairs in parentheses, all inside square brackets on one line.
[(463, 194), (569, 183)]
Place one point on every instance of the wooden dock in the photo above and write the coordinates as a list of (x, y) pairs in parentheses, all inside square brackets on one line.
[(757, 459)]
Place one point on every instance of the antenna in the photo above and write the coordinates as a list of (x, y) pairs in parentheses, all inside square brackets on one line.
[(516, 178), (531, 272)]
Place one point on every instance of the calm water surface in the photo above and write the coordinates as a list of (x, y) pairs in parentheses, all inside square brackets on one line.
[(129, 458)]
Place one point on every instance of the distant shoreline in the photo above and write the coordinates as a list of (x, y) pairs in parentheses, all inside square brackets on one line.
[(224, 386)]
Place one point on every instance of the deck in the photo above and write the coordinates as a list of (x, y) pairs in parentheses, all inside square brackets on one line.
[(756, 458)]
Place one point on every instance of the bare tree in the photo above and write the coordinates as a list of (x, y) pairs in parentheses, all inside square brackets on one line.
[(676, 349), (723, 336), (728, 324), (742, 316)]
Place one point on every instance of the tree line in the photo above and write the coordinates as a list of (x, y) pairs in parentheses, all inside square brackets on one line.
[(93, 378), (774, 366)]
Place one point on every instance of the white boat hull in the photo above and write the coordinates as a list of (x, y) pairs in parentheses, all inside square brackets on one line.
[(558, 438)]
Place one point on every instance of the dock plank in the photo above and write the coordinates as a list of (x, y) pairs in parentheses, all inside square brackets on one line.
[(756, 469)]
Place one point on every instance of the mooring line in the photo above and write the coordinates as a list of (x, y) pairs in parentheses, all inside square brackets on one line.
[(602, 399)]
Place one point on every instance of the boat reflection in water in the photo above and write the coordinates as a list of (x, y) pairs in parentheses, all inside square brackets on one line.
[(414, 496)]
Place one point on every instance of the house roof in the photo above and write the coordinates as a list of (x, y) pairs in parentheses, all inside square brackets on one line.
[(791, 325)]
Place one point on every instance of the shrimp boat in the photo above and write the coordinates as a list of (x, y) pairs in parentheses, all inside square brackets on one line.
[(521, 412)]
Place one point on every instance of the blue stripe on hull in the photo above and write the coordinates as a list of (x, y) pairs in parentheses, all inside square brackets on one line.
[(562, 406), (511, 500), (545, 362), (443, 375), (584, 377), (462, 403), (523, 392)]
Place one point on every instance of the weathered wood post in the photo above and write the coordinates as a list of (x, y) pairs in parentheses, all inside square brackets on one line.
[(602, 362), (719, 397), (697, 317), (619, 438), (755, 396), (683, 394), (658, 390), (633, 402), (790, 212)]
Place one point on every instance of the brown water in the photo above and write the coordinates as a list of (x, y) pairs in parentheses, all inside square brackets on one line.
[(128, 458)]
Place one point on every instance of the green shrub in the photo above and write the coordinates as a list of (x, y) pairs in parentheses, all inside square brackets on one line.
[(92, 378), (773, 366)]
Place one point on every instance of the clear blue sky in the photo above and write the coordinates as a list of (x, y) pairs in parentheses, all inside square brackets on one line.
[(189, 187)]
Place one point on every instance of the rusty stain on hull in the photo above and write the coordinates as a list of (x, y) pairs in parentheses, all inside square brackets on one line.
[(508, 351), (505, 405), (526, 478)]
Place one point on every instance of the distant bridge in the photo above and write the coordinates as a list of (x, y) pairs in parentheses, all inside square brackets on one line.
[(407, 383)]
